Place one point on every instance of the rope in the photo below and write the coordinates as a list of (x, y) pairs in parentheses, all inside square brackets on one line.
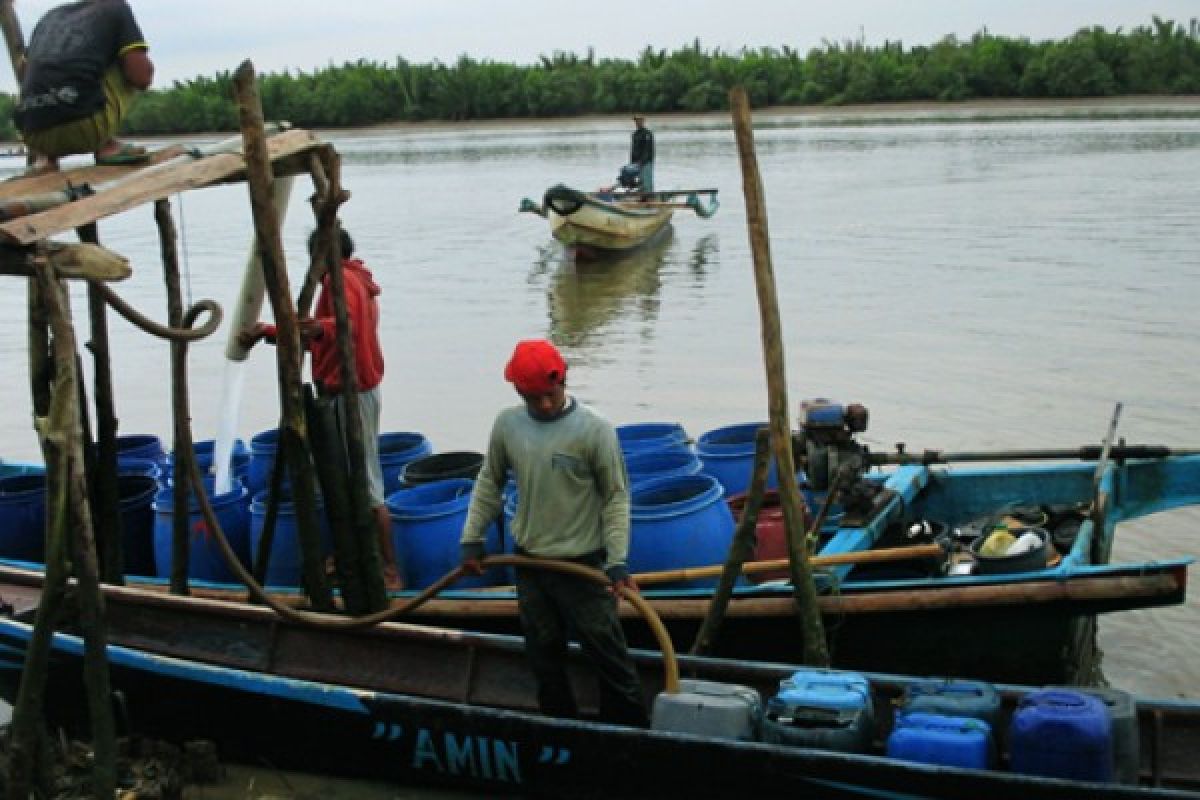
[(326, 622), (185, 334)]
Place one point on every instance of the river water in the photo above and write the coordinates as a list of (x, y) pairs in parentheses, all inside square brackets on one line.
[(977, 283)]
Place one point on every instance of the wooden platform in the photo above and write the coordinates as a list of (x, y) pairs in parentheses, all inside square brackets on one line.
[(121, 188)]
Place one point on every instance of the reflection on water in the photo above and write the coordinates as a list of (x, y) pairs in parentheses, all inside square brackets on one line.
[(586, 297)]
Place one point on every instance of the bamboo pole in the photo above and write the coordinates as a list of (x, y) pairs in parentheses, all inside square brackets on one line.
[(880, 556), (61, 438), (370, 550), (288, 350), (27, 761), (815, 650), (181, 415), (103, 481), (354, 570), (740, 549), (13, 38)]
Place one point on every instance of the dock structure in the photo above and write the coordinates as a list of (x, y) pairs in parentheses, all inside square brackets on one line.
[(49, 233)]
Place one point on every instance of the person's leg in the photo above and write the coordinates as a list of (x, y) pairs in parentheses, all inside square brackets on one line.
[(592, 611), (648, 177), (370, 409), (545, 644), (119, 97), (94, 134)]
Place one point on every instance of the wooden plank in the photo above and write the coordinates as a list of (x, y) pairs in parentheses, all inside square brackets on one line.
[(148, 185), (24, 185)]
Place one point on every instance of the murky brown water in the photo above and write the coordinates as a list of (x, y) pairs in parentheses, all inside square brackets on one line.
[(975, 284)]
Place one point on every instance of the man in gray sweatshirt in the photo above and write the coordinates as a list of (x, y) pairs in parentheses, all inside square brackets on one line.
[(573, 505)]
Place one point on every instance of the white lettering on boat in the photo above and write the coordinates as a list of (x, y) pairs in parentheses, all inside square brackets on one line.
[(472, 756)]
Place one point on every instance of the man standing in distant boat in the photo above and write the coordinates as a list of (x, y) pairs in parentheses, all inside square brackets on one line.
[(572, 505), (641, 151), (319, 334), (85, 64)]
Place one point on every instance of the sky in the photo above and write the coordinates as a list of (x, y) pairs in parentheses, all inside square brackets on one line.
[(202, 38)]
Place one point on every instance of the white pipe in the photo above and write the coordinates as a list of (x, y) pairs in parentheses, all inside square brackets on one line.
[(250, 298)]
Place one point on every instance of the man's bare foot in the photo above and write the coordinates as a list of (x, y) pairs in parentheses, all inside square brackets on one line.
[(41, 166), (116, 153), (391, 578)]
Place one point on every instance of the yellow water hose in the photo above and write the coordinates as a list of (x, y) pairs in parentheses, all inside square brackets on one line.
[(328, 621)]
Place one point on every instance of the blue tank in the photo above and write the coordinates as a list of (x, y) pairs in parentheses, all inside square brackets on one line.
[(821, 708), (728, 455), (1060, 733), (954, 698), (942, 740)]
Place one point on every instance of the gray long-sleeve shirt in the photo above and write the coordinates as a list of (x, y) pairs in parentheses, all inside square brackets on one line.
[(573, 493)]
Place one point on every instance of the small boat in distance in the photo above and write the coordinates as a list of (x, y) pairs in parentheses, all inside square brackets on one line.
[(614, 220)]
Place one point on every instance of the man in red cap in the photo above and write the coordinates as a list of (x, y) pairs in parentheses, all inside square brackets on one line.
[(573, 505)]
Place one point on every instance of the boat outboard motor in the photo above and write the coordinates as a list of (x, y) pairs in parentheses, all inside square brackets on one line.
[(630, 176), (825, 443)]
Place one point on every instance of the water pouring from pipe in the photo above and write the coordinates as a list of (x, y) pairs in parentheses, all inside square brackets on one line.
[(246, 313)]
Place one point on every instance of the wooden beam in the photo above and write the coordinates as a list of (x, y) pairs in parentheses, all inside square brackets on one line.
[(146, 184), (74, 261)]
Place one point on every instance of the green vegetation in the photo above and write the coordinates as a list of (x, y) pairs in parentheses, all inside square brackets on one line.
[(1161, 58)]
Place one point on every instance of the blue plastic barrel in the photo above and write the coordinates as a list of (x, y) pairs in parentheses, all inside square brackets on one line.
[(396, 450), (23, 517), (9, 468), (728, 455), (205, 455), (679, 521), (141, 445), (136, 494), (441, 467), (645, 437), (133, 465), (263, 446), (285, 562), (660, 463), (427, 521), (205, 562)]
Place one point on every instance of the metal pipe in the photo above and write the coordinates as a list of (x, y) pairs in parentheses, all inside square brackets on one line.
[(1086, 453)]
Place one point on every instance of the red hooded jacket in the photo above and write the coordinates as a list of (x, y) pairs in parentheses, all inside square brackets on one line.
[(362, 309)]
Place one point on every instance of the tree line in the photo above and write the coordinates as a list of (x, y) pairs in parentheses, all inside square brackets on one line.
[(1160, 58)]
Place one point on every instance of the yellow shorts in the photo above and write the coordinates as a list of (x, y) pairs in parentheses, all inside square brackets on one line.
[(89, 134)]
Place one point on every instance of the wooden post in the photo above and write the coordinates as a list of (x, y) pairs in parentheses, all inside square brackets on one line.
[(363, 519), (13, 38), (293, 437), (25, 766), (70, 529), (739, 550), (815, 650), (181, 415), (103, 482)]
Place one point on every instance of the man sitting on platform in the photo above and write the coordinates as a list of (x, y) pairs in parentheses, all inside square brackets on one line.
[(84, 66)]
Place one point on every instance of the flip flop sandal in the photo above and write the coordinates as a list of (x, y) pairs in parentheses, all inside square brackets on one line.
[(127, 154)]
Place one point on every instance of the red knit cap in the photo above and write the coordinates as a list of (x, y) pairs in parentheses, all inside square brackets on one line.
[(536, 367)]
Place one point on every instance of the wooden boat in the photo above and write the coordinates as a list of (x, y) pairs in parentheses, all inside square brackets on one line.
[(1033, 626), (425, 705), (606, 222)]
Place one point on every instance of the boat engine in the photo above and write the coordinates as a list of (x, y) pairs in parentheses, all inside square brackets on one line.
[(825, 444), (630, 177)]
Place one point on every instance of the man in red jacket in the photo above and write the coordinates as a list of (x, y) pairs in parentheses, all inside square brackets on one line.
[(319, 334)]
